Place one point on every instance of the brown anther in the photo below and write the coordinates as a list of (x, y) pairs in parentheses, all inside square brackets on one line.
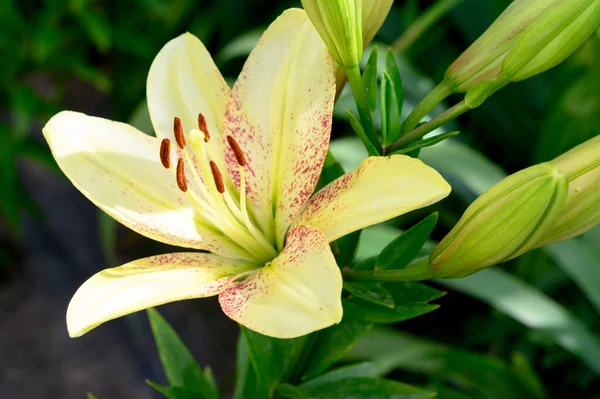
[(217, 177), (165, 153), (181, 180), (203, 126), (237, 151), (178, 132)]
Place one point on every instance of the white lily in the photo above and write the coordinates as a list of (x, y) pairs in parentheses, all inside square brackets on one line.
[(231, 172)]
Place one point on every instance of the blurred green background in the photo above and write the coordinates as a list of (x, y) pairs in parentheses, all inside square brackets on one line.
[(527, 330)]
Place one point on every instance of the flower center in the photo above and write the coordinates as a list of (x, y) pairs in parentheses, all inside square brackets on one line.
[(223, 206)]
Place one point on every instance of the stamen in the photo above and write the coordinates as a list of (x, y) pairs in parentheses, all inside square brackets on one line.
[(181, 180), (217, 177), (237, 151), (203, 126), (178, 132), (165, 153)]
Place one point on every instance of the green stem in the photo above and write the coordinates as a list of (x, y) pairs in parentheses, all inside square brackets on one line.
[(360, 98), (435, 96), (422, 24), (429, 126), (415, 272)]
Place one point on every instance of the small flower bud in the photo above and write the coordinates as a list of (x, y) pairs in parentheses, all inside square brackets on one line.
[(504, 222), (581, 166), (339, 22), (529, 37)]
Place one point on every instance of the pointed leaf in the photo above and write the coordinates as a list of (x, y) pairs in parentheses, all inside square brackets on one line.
[(179, 365), (371, 292), (390, 116), (400, 252), (175, 392), (417, 145), (369, 79), (391, 67), (360, 132), (246, 381)]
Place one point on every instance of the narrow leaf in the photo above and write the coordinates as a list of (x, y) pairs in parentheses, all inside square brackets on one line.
[(390, 115), (179, 365), (417, 145), (360, 132), (400, 252), (369, 79), (372, 388), (391, 67), (371, 292), (290, 392)]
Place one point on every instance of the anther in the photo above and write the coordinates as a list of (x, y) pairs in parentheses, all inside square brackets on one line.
[(181, 180), (165, 153), (217, 177), (203, 127), (178, 132), (237, 151)]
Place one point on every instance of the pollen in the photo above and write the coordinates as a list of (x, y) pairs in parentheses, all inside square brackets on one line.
[(165, 153), (181, 180), (237, 151), (217, 177), (178, 132), (203, 127)]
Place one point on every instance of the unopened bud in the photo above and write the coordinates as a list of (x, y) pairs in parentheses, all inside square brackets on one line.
[(581, 166), (529, 37), (504, 222), (339, 22), (374, 13)]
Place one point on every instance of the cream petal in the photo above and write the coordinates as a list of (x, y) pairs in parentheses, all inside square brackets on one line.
[(379, 189), (149, 282), (280, 113), (184, 81), (296, 294), (118, 168)]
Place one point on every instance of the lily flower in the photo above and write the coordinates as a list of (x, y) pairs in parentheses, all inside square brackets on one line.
[(231, 172)]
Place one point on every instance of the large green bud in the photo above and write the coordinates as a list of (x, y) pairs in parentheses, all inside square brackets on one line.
[(581, 166), (339, 22), (504, 222), (529, 37)]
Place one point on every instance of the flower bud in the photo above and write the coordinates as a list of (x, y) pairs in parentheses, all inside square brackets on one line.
[(581, 166), (374, 13), (504, 222), (528, 38), (339, 22)]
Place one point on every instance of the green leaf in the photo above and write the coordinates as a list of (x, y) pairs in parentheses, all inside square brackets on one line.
[(360, 132), (400, 252), (246, 381), (290, 391), (526, 375), (371, 292), (369, 79), (366, 311), (372, 388), (532, 308), (366, 264), (332, 169), (391, 67), (239, 47), (107, 233), (417, 145), (332, 343), (178, 363), (363, 369), (390, 116), (273, 359), (91, 396)]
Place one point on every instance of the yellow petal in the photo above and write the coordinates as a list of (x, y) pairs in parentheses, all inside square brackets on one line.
[(118, 168), (379, 189), (184, 81), (296, 294), (149, 282), (280, 114)]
